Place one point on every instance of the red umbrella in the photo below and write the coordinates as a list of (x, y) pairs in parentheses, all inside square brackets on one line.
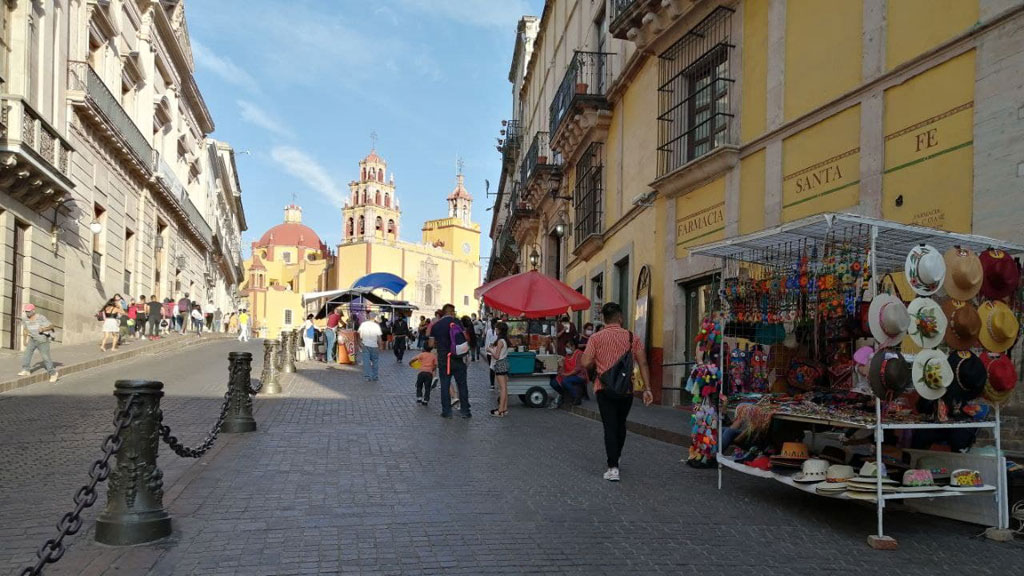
[(531, 295)]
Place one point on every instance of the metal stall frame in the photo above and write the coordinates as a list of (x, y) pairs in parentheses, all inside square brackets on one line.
[(889, 244)]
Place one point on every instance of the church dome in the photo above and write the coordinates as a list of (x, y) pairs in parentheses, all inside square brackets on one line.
[(291, 234), (460, 190), (372, 157)]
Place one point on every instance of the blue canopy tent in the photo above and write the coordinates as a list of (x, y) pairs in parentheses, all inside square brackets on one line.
[(381, 280)]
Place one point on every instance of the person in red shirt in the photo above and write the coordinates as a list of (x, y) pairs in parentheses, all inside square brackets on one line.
[(333, 320), (571, 380), (604, 349), (427, 362)]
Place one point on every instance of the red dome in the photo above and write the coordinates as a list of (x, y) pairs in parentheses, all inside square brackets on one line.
[(373, 157), (291, 234)]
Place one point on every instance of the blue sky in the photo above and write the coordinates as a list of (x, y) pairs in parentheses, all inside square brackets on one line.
[(301, 85)]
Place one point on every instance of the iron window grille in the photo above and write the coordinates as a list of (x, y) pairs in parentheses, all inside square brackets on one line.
[(589, 193), (693, 92)]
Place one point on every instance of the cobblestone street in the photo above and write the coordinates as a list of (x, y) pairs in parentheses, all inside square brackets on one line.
[(345, 476)]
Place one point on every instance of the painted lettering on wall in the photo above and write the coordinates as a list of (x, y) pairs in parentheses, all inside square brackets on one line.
[(826, 175), (927, 139), (813, 188), (700, 224)]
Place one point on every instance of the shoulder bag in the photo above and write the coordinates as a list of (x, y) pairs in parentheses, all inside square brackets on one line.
[(617, 381)]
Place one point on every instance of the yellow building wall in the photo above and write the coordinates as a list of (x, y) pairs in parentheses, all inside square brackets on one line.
[(351, 264), (916, 26), (821, 167), (276, 304), (631, 147), (823, 52), (754, 104), (929, 148), (751, 213), (700, 216)]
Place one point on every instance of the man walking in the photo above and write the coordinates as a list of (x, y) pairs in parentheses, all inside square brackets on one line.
[(243, 326), (604, 349), (400, 331), (37, 331), (370, 335), (141, 317), (331, 334), (182, 317), (478, 330), (155, 314), (448, 337), (215, 320)]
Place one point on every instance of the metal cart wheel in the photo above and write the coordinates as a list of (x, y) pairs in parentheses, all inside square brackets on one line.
[(536, 397)]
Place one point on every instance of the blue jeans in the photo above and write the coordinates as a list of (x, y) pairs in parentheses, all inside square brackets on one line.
[(332, 338), (458, 370), (44, 351), (569, 386), (371, 362)]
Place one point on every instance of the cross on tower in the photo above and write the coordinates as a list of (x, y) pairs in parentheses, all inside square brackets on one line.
[(459, 164), (373, 140), (294, 197)]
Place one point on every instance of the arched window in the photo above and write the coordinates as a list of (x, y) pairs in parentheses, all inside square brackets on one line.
[(380, 176), (351, 227), (364, 196), (391, 226), (428, 295), (380, 223), (378, 198), (362, 225), (364, 173), (387, 200)]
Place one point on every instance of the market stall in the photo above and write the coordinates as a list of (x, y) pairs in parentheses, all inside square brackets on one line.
[(814, 343)]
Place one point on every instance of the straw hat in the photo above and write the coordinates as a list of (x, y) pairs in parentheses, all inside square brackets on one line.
[(1001, 274), (888, 320), (918, 480), (925, 269), (870, 471), (888, 374), (963, 273), (927, 322), (969, 376), (999, 326), (793, 454), (1002, 378), (963, 324), (931, 373), (813, 470)]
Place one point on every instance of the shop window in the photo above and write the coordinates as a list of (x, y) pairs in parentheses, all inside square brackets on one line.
[(589, 192), (693, 92)]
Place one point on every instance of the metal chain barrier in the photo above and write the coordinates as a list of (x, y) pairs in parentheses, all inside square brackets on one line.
[(53, 550), (204, 447)]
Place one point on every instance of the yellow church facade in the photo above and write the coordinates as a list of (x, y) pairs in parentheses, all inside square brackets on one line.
[(444, 267), (286, 262)]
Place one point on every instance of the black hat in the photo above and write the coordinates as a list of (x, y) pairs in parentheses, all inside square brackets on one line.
[(889, 374), (969, 376)]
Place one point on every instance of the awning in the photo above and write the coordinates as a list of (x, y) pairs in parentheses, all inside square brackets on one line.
[(362, 296), (381, 280)]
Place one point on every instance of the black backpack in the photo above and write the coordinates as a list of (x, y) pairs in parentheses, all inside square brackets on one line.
[(617, 381)]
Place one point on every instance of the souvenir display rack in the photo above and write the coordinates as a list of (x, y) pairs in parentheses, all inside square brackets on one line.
[(886, 245)]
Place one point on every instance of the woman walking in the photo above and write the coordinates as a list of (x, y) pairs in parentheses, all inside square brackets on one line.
[(308, 336), (197, 319), (499, 365), (111, 314)]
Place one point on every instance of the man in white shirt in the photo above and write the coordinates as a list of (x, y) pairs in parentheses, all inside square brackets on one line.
[(489, 339), (370, 335)]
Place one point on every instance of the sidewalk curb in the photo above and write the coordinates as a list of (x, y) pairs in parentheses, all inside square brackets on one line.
[(69, 369), (653, 432)]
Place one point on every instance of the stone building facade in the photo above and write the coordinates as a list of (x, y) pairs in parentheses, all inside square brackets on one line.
[(665, 124), (119, 189)]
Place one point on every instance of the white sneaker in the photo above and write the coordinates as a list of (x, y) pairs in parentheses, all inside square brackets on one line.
[(54, 377), (612, 475), (24, 373)]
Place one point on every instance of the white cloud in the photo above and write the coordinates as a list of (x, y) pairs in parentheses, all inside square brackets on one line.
[(257, 116), (482, 13), (309, 171), (223, 67)]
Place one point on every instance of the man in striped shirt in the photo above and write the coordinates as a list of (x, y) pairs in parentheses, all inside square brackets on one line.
[(604, 349)]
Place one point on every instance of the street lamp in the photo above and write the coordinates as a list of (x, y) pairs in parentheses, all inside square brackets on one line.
[(95, 227), (534, 258)]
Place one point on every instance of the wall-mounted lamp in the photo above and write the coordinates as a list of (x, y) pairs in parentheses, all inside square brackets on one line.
[(54, 229), (95, 227), (534, 258), (553, 187)]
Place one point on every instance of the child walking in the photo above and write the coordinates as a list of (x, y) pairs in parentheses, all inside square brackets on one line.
[(426, 363)]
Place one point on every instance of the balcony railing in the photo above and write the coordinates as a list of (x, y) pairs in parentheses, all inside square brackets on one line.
[(36, 133), (83, 78), (520, 207), (166, 175), (512, 139), (620, 8), (588, 77), (539, 154)]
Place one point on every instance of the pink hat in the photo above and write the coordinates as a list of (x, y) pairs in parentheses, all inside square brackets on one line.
[(30, 307), (863, 355)]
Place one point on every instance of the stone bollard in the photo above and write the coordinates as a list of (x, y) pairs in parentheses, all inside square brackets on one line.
[(135, 497), (239, 415), (287, 352), (271, 348)]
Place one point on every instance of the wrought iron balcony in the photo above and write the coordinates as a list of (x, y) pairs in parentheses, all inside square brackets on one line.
[(36, 170), (541, 166), (83, 79), (585, 83), (624, 12), (165, 175), (511, 141)]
